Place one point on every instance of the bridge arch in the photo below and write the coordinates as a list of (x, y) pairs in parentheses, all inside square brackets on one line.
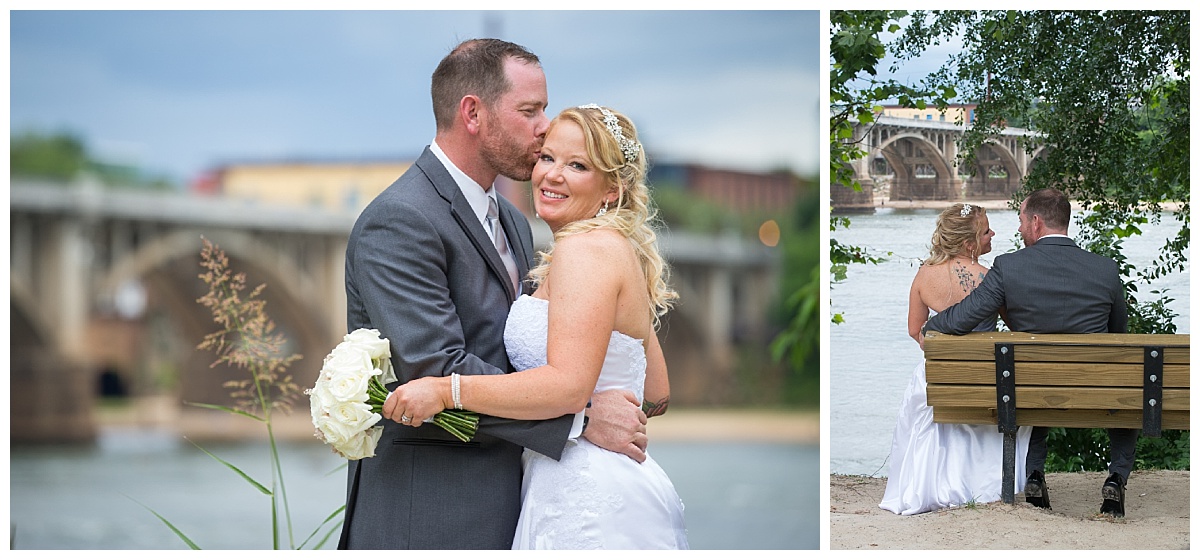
[(906, 144), (994, 153), (903, 152), (169, 268)]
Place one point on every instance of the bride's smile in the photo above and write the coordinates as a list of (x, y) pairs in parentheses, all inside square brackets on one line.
[(568, 185)]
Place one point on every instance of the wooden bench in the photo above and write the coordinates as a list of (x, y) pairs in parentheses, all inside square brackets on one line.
[(1102, 380)]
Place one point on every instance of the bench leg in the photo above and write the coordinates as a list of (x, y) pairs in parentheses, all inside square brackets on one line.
[(1010, 466)]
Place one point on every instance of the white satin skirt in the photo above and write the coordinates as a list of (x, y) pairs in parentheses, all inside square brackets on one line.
[(597, 499), (934, 466)]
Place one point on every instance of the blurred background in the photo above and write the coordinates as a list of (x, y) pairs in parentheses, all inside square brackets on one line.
[(133, 134)]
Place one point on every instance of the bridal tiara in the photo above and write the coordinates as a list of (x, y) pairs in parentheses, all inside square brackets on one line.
[(628, 147), (966, 211)]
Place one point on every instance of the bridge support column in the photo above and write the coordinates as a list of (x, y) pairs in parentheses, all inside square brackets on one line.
[(51, 375)]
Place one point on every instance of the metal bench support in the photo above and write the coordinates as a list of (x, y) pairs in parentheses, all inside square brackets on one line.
[(1152, 387), (1006, 415)]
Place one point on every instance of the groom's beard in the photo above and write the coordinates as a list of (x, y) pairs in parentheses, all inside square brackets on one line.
[(507, 156)]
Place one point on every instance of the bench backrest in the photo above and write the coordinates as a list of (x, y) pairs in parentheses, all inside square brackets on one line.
[(1066, 380)]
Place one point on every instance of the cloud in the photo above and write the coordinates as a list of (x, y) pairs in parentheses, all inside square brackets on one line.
[(188, 90)]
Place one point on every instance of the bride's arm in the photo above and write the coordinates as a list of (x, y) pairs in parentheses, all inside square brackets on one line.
[(658, 389), (585, 285), (918, 312)]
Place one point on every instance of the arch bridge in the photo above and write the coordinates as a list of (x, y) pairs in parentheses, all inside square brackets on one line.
[(918, 160), (104, 286)]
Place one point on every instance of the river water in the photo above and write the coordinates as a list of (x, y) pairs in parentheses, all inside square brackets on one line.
[(737, 495), (871, 355)]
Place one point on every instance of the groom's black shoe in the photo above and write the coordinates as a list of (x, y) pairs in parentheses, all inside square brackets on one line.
[(1113, 492), (1035, 490)]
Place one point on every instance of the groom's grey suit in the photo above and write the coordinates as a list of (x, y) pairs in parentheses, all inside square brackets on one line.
[(421, 269), (1052, 286)]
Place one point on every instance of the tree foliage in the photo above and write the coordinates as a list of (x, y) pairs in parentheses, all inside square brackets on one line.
[(855, 92), (1108, 95), (62, 157), (800, 287), (57, 157)]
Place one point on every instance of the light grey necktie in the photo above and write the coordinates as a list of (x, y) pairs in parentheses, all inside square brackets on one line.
[(493, 217)]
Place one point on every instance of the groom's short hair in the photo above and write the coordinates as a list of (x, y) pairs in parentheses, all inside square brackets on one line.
[(1052, 206), (474, 67)]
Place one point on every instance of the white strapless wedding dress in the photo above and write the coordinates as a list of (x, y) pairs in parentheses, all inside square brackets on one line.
[(591, 498), (934, 466)]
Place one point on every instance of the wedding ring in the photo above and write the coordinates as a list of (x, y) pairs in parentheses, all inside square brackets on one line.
[(404, 419)]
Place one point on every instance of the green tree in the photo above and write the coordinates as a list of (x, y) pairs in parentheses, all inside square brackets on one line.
[(61, 157), (57, 157), (800, 286), (1108, 94)]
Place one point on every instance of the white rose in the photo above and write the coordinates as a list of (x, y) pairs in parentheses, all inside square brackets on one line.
[(369, 340), (347, 419), (319, 401), (361, 446), (347, 372)]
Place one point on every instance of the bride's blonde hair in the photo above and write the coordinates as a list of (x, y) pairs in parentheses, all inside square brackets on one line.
[(959, 231), (632, 215)]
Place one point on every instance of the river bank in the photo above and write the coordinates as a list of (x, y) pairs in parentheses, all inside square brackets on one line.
[(677, 425), (884, 201), (1157, 508)]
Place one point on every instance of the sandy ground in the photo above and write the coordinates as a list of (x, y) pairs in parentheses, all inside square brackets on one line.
[(678, 424), (1157, 516)]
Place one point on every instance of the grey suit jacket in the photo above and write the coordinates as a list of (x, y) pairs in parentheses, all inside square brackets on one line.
[(1052, 286), (421, 269)]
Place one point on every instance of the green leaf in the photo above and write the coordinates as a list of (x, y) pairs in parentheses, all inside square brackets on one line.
[(252, 482), (170, 525), (225, 409)]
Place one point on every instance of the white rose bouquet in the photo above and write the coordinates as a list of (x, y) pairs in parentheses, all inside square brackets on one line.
[(349, 395)]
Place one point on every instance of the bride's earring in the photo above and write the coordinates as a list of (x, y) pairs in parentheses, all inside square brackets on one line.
[(603, 210)]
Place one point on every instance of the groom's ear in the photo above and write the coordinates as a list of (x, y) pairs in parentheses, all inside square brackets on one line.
[(470, 109)]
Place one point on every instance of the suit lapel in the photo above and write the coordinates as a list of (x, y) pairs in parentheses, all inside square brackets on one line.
[(461, 210)]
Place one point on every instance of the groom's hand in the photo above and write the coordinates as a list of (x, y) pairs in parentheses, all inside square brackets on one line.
[(616, 423)]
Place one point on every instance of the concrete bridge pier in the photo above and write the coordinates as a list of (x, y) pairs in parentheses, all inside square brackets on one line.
[(50, 392)]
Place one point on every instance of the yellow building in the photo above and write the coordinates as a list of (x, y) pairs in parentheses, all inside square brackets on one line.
[(955, 113), (337, 185)]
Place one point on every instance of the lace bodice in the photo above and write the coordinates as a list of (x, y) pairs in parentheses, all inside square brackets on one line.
[(525, 337)]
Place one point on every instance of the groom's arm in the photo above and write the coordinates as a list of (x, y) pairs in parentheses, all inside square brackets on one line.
[(399, 271), (983, 302)]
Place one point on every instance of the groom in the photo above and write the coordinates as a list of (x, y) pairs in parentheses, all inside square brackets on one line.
[(433, 263), (1052, 286)]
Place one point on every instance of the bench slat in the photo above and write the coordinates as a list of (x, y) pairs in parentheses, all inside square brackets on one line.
[(1171, 419), (1103, 347), (1053, 373), (1103, 398), (1046, 353)]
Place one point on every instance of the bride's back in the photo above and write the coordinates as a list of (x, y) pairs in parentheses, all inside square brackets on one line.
[(945, 284)]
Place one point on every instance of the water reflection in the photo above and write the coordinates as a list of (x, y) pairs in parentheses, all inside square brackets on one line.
[(738, 496)]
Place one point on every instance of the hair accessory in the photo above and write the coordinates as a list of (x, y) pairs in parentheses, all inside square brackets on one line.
[(966, 211), (628, 147)]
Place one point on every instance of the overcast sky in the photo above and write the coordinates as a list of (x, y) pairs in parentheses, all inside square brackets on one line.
[(183, 91)]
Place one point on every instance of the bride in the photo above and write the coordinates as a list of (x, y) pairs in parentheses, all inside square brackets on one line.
[(589, 326), (933, 465)]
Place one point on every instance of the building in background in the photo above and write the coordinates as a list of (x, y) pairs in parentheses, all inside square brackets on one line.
[(330, 184), (955, 113)]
